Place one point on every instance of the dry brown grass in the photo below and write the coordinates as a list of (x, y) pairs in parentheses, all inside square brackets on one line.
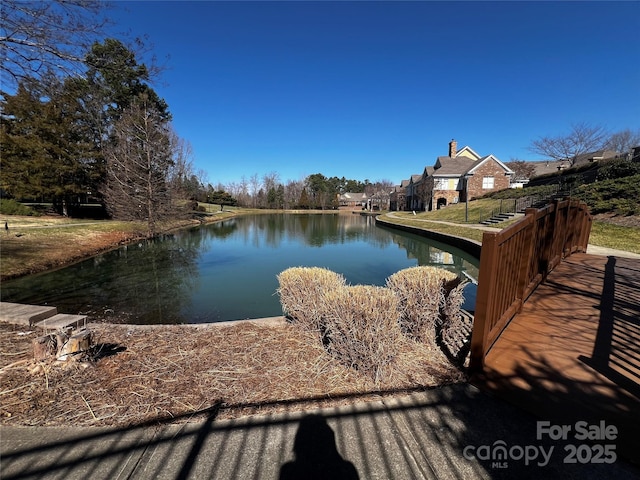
[(146, 373), (301, 291), (422, 293), (362, 328)]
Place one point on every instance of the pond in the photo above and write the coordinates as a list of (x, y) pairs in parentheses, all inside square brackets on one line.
[(227, 270)]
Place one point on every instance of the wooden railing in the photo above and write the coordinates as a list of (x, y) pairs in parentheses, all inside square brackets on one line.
[(516, 260)]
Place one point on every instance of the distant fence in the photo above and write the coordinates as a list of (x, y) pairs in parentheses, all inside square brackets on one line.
[(516, 260), (518, 205)]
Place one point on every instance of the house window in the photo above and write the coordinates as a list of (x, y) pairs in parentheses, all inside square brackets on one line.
[(487, 182), (445, 184)]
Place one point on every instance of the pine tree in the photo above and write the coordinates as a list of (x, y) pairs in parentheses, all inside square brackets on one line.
[(47, 153)]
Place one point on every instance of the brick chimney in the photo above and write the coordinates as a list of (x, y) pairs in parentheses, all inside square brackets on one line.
[(453, 148)]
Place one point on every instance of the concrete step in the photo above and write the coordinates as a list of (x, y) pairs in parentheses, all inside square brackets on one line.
[(62, 321), (20, 314)]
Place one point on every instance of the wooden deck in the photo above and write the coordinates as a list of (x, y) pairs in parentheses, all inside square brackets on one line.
[(573, 352)]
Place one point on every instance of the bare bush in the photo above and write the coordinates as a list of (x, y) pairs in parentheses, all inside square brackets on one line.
[(301, 294), (362, 328), (421, 296)]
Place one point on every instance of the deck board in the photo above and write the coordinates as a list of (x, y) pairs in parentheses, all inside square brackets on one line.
[(573, 352)]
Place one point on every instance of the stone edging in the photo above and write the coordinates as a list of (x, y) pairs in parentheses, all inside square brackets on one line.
[(466, 245)]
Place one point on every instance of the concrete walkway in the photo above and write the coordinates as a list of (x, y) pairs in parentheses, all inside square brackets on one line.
[(434, 434), (476, 226), (610, 252)]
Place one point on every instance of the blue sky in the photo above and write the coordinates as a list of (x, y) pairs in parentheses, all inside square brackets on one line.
[(376, 90)]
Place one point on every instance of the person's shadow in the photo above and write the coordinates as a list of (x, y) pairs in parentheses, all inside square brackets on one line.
[(316, 454)]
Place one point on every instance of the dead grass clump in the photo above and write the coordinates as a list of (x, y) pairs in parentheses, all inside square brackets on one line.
[(301, 289), (362, 327), (421, 294)]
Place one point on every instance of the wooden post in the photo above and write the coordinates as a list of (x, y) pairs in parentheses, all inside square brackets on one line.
[(486, 287)]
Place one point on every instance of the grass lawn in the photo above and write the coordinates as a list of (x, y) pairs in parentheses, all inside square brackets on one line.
[(457, 213), (603, 234), (456, 230), (609, 235), (35, 244)]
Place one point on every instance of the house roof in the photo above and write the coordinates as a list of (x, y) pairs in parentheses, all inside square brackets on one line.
[(452, 167), (592, 156), (354, 197), (543, 167), (458, 166)]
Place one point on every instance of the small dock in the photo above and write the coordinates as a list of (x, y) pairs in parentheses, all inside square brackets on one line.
[(43, 317)]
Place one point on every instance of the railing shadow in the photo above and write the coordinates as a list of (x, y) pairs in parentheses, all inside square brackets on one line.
[(616, 351), (435, 433), (573, 353)]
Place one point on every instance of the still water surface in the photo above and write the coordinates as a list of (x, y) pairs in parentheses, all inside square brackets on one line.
[(227, 270)]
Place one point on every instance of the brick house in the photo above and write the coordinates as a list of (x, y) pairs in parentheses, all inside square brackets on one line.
[(461, 175), (352, 201), (398, 197)]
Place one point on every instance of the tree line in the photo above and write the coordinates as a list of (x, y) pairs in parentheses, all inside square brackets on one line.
[(315, 191), (83, 122)]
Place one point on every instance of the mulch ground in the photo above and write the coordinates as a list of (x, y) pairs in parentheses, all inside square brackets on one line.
[(139, 374), (622, 220)]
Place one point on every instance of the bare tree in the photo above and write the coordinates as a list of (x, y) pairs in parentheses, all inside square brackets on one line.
[(293, 190), (255, 185), (623, 141), (51, 35), (182, 166), (243, 192), (138, 166), (583, 138), (523, 170)]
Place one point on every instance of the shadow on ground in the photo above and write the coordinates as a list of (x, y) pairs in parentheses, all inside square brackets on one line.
[(449, 432)]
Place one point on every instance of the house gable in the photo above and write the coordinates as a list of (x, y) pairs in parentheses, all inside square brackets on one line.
[(468, 152), (490, 158), (486, 175)]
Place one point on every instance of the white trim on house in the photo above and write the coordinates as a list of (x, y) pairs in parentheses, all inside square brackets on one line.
[(468, 149), (507, 170)]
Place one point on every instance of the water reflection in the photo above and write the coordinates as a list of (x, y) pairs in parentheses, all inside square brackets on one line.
[(437, 254), (227, 271)]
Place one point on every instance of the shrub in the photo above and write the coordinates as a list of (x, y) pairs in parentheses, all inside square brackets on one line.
[(301, 292), (422, 295), (11, 207), (362, 327), (618, 168), (619, 195)]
